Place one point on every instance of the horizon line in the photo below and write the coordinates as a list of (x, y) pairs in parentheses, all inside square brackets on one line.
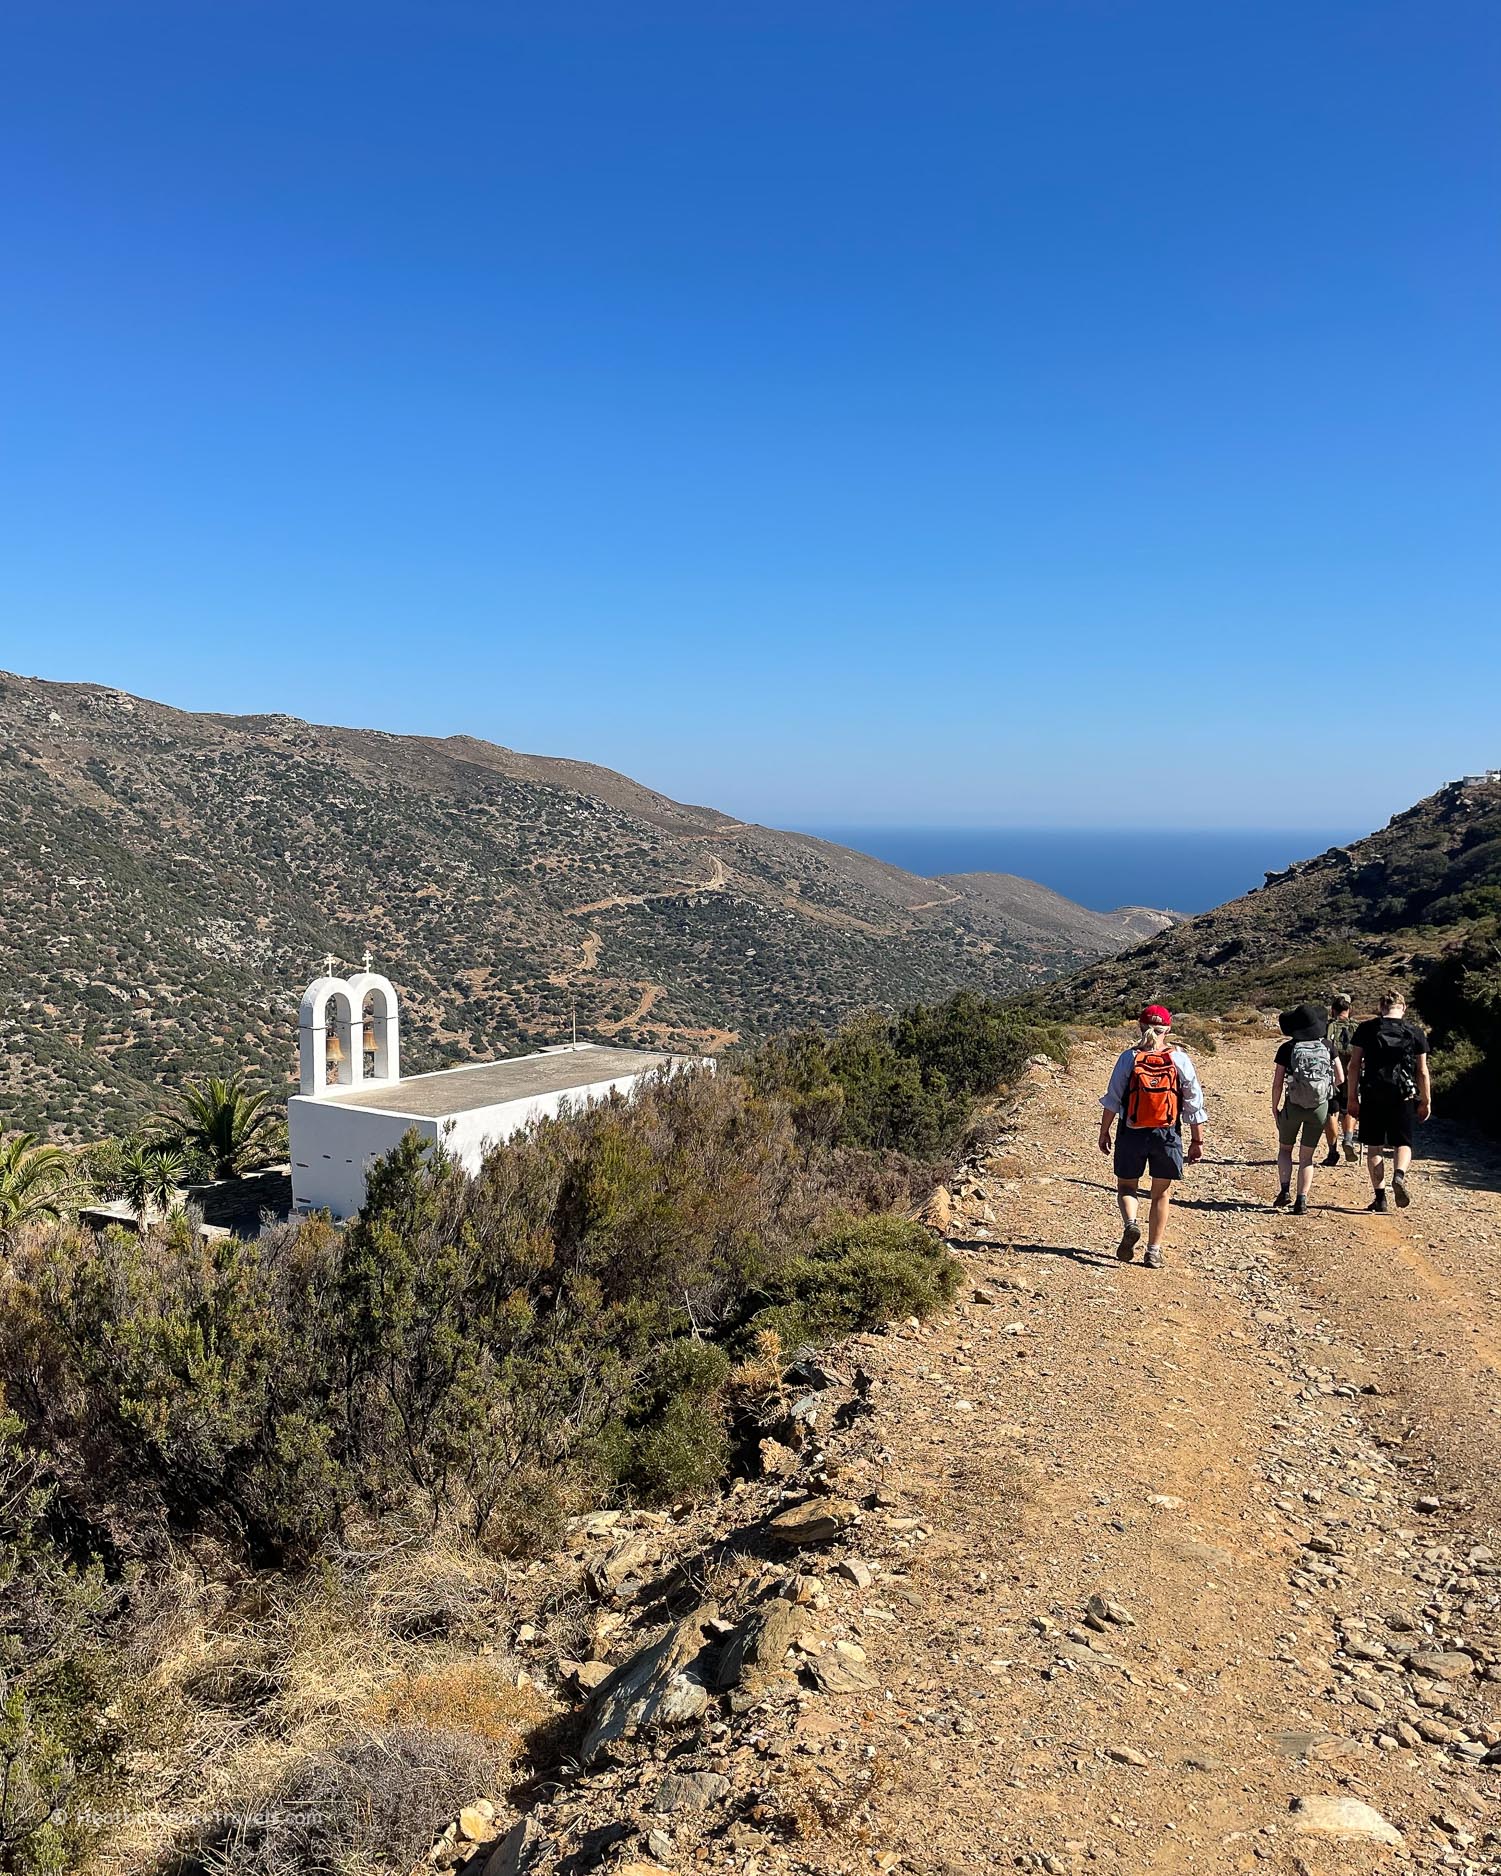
[(1061, 827)]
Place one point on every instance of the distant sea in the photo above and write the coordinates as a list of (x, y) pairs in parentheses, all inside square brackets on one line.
[(1177, 870)]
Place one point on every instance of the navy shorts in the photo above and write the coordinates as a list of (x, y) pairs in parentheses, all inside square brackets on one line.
[(1157, 1150)]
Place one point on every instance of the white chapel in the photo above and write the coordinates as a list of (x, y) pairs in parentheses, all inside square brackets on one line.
[(353, 1106)]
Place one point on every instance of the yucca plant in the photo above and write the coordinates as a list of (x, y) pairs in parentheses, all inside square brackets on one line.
[(149, 1177), (38, 1183), (232, 1125)]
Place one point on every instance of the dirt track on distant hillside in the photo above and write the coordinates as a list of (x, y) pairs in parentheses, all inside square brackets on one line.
[(1244, 1452)]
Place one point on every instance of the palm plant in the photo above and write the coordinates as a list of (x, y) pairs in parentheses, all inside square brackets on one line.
[(38, 1183), (232, 1125), (149, 1176)]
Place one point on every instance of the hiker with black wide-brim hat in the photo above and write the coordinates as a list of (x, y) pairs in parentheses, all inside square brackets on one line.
[(1304, 1080)]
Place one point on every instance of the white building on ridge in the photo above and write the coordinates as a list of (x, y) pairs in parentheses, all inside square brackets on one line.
[(345, 1117)]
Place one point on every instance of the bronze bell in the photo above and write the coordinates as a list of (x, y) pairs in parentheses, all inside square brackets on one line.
[(368, 1040), (335, 1051)]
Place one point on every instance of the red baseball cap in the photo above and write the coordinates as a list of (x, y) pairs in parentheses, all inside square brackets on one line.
[(1158, 1017)]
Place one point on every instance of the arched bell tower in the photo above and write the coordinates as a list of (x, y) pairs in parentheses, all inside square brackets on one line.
[(339, 1019)]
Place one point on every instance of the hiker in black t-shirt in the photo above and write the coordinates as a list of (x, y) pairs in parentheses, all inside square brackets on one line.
[(1389, 1093), (1339, 1130)]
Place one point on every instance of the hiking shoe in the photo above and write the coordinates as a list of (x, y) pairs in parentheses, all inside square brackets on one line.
[(1300, 1206), (1377, 1204), (1153, 1258), (1282, 1198), (1400, 1192), (1130, 1238), (1333, 1159), (1349, 1149)]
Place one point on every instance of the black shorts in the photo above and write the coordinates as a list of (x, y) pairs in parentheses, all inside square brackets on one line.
[(1158, 1150), (1387, 1121), (1339, 1100)]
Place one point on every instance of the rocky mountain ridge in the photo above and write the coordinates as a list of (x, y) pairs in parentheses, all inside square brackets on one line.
[(1386, 908)]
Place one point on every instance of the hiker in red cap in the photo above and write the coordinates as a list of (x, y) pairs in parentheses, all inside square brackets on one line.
[(1153, 1090)]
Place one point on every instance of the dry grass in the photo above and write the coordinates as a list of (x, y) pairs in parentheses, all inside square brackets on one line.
[(759, 1375), (362, 1808), (273, 1696), (811, 1809), (460, 1696)]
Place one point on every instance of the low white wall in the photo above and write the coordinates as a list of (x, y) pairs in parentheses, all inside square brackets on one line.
[(332, 1147)]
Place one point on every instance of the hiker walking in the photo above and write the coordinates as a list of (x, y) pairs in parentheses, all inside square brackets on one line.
[(1153, 1090), (1389, 1093), (1339, 1129), (1307, 1074)]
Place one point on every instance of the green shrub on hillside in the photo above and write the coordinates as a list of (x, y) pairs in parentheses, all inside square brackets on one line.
[(1313, 972), (1459, 997), (677, 1442), (860, 1273), (487, 1351), (191, 1376), (52, 1690), (906, 1083)]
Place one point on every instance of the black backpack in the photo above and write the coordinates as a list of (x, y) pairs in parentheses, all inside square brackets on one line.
[(1389, 1060)]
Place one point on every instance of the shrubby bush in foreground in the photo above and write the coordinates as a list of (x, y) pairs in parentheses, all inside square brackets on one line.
[(484, 1351), (579, 1323), (490, 1350), (52, 1682)]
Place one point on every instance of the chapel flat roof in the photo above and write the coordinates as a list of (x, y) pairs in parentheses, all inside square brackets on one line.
[(489, 1084)]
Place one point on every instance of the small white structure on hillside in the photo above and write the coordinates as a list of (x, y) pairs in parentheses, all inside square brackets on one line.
[(348, 1114)]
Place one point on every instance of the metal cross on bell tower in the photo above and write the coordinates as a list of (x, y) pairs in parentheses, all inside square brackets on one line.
[(366, 959)]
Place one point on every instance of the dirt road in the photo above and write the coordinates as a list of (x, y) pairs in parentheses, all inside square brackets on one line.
[(1280, 1458)]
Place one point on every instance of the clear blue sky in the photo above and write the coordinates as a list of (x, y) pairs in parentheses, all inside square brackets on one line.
[(844, 412)]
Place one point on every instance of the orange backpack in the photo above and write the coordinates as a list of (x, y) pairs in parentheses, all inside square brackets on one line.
[(1152, 1091)]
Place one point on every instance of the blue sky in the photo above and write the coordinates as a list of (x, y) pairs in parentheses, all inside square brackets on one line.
[(845, 412)]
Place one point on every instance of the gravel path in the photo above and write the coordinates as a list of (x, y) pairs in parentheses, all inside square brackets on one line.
[(1276, 1461)]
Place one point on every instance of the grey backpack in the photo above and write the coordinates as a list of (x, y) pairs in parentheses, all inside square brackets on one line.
[(1310, 1075)]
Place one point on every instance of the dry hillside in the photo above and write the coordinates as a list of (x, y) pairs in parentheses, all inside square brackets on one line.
[(1393, 906), (172, 880)]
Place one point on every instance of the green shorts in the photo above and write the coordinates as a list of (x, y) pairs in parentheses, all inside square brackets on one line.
[(1305, 1123)]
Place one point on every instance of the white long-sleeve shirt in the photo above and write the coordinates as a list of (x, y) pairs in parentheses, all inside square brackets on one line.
[(1191, 1094)]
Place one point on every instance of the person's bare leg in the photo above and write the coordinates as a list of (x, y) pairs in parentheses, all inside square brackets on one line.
[(1375, 1160), (1404, 1158), (1162, 1198), (1305, 1170), (1331, 1131), (1284, 1167)]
